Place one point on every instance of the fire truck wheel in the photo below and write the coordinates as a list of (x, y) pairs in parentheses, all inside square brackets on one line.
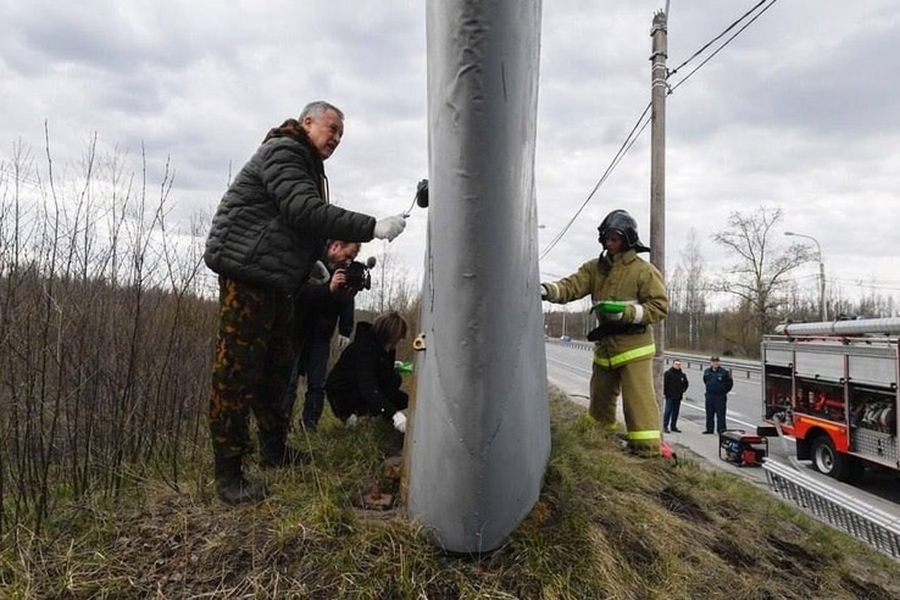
[(828, 461)]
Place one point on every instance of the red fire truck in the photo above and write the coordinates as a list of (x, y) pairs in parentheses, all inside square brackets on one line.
[(832, 386)]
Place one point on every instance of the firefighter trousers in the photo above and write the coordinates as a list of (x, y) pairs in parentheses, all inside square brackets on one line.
[(634, 381)]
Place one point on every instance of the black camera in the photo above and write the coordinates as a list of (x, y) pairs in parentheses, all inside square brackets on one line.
[(359, 275)]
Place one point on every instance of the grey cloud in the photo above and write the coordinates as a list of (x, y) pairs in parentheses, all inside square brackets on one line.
[(792, 114), (816, 81)]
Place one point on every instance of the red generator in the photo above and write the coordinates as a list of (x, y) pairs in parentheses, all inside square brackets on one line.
[(741, 448)]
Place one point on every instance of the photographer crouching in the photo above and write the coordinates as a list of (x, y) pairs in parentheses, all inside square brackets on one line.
[(325, 301)]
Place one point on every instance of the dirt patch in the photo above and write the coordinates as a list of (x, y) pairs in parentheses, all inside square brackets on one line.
[(676, 502)]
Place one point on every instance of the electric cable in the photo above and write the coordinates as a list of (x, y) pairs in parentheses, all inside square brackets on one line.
[(632, 137), (859, 283), (717, 38), (722, 47), (13, 175), (623, 150)]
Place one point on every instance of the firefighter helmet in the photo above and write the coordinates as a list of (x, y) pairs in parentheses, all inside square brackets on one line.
[(624, 224)]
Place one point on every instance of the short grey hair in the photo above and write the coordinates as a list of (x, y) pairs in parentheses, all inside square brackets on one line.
[(319, 108)]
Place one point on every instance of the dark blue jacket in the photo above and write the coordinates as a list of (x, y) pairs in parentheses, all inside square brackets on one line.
[(718, 382)]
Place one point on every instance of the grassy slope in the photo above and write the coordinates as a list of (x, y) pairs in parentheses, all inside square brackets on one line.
[(607, 526)]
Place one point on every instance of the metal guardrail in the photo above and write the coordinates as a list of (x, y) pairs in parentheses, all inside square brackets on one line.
[(877, 528), (697, 362)]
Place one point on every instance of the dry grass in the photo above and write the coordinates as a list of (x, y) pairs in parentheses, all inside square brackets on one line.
[(607, 526)]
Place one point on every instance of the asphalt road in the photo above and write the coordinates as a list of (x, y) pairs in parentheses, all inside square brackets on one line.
[(569, 368)]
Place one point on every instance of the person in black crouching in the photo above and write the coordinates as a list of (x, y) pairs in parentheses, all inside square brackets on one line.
[(363, 381)]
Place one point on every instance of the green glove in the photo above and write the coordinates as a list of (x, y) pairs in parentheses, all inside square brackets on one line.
[(609, 307), (403, 367)]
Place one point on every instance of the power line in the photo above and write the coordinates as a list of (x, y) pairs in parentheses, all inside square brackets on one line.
[(16, 176), (623, 150), (639, 126), (862, 283), (715, 39), (720, 48)]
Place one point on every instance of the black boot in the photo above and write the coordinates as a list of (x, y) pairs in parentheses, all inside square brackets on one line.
[(274, 452), (231, 485)]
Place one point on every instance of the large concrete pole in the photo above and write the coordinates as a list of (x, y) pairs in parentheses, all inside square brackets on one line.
[(479, 438), (658, 90)]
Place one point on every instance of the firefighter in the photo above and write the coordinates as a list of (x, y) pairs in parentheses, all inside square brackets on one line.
[(629, 295)]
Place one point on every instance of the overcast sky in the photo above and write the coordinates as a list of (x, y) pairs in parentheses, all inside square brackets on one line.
[(799, 112)]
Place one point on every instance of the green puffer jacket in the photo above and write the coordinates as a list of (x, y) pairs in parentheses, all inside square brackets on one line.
[(272, 223), (627, 279)]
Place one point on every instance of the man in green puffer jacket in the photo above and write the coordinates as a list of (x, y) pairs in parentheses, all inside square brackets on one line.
[(268, 231), (629, 295)]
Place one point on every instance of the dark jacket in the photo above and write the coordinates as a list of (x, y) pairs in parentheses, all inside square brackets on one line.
[(316, 312), (273, 221), (363, 381), (675, 383), (718, 382)]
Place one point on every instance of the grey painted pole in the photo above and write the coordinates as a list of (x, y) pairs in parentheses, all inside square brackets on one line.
[(479, 439)]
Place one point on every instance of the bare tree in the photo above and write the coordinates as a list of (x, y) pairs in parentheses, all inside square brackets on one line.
[(758, 278), (687, 299), (392, 288)]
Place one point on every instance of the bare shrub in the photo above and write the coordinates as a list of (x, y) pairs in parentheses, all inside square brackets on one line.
[(105, 338)]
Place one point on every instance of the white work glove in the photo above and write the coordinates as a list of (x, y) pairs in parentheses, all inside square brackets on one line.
[(352, 420), (543, 292), (343, 341), (612, 316), (389, 227), (399, 420)]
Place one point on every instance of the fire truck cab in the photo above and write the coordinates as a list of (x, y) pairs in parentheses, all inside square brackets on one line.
[(832, 386)]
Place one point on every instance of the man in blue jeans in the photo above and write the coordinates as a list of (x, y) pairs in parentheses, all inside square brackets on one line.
[(324, 301), (718, 383)]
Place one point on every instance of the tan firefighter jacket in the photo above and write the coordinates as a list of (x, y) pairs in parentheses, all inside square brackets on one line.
[(627, 279)]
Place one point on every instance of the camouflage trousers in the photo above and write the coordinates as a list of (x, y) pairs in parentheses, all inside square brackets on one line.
[(252, 366), (634, 381)]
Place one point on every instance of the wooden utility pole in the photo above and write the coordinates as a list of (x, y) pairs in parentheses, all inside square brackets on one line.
[(658, 90)]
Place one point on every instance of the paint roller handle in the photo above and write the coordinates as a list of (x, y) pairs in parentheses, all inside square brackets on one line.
[(420, 199)]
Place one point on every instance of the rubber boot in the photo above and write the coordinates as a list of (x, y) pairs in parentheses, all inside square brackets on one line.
[(231, 485), (274, 452), (644, 448)]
